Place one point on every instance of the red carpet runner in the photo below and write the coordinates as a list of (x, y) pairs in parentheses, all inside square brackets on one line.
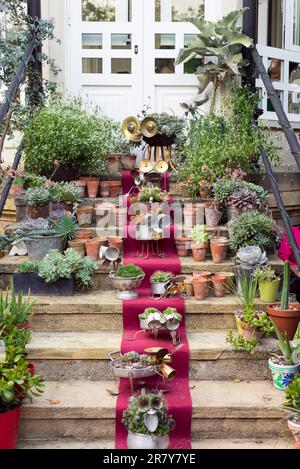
[(178, 398)]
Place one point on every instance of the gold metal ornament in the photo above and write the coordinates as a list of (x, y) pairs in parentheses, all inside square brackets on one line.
[(146, 166), (149, 127), (161, 167), (131, 129)]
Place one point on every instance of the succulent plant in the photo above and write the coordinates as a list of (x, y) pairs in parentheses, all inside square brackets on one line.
[(244, 200), (161, 277), (129, 271), (252, 228), (199, 234), (251, 255), (37, 196)]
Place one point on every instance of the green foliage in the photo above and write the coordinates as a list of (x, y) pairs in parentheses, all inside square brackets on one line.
[(38, 196), (153, 194), (161, 277), (240, 344), (252, 229), (129, 271), (66, 227), (134, 357), (199, 234), (14, 309), (64, 192), (225, 188), (28, 267), (290, 349), (292, 398), (67, 133), (133, 417), (284, 305), (265, 275)]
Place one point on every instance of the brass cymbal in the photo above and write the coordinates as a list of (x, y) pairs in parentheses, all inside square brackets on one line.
[(131, 129), (149, 127), (146, 166), (161, 167)]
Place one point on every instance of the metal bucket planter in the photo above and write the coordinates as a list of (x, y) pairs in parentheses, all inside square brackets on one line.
[(126, 286), (283, 374), (139, 441), (31, 282), (39, 246), (158, 289)]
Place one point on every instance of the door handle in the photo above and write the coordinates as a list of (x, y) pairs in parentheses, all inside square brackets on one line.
[(136, 49)]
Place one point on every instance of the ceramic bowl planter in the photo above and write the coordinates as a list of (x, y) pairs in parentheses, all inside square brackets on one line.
[(200, 286), (286, 320), (38, 211), (93, 188), (85, 216), (183, 246), (126, 286), (39, 246), (199, 252), (9, 429), (104, 188), (139, 441), (219, 248), (78, 245), (92, 247), (268, 291), (31, 282), (248, 333), (294, 426), (81, 186), (219, 284), (213, 213), (283, 374), (114, 188), (128, 162)]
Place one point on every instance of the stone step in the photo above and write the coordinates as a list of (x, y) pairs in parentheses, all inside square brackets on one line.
[(102, 311), (259, 443), (67, 356), (75, 409)]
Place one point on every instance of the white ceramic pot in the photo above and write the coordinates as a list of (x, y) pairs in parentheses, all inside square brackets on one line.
[(138, 441)]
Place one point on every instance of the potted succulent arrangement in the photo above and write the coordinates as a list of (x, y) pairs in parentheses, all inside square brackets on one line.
[(152, 195), (15, 310), (127, 279), (57, 274), (292, 406), (285, 315), (154, 320), (285, 366), (248, 260), (18, 383), (251, 324), (199, 243), (63, 195), (148, 422), (38, 202), (268, 284), (252, 229), (158, 281)]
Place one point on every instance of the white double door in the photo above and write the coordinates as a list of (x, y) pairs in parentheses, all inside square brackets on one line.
[(121, 54)]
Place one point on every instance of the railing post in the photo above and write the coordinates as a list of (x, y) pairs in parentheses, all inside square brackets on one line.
[(34, 10), (250, 29)]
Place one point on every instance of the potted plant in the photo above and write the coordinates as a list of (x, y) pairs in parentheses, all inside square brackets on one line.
[(183, 246), (219, 284), (200, 286), (152, 195), (64, 195), (56, 274), (268, 284), (285, 315), (18, 384), (127, 279), (199, 243), (81, 185), (248, 260), (15, 310), (158, 281), (38, 202), (252, 229), (66, 227), (128, 157), (40, 242), (93, 188), (292, 406), (219, 248), (147, 422), (285, 366), (153, 319)]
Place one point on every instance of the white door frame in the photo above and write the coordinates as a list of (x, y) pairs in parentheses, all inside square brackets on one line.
[(289, 30)]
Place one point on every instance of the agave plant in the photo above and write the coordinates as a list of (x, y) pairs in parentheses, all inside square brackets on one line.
[(222, 39)]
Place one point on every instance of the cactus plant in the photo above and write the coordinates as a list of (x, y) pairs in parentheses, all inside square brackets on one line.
[(286, 287)]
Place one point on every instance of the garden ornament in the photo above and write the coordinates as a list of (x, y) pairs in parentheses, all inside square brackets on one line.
[(19, 248)]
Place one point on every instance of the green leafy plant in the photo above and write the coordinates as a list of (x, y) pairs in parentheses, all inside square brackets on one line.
[(15, 309), (284, 305), (199, 234), (240, 344), (265, 275), (225, 188), (133, 417), (129, 271), (64, 192), (37, 196), (290, 350), (28, 267), (161, 277), (252, 229), (292, 399), (151, 195), (66, 226)]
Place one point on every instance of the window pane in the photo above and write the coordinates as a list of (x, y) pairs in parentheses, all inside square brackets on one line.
[(121, 66), (178, 10), (91, 65), (106, 10), (275, 69), (296, 35), (192, 65), (165, 41), (164, 66), (121, 41), (270, 105), (188, 38), (275, 23), (294, 101), (294, 73), (91, 41)]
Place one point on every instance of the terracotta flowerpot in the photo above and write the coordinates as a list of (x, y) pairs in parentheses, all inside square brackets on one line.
[(114, 188), (219, 284), (128, 162), (202, 273), (183, 246), (189, 289), (113, 163), (115, 242), (230, 278), (286, 320), (93, 188), (219, 248), (248, 333), (104, 188), (83, 234), (213, 214), (200, 286), (199, 252), (101, 241), (294, 426), (81, 186), (84, 215), (92, 248), (38, 211), (78, 246), (193, 215)]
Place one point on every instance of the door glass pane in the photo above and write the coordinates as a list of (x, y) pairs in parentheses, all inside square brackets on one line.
[(296, 35), (294, 73), (294, 101), (275, 23), (165, 41), (121, 41), (275, 69), (178, 10), (91, 65), (91, 41), (121, 66), (188, 38), (164, 66), (106, 10), (191, 66)]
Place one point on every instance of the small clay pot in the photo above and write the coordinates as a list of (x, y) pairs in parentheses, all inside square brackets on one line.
[(115, 242), (193, 215), (230, 279), (101, 240), (83, 234), (114, 163), (199, 252), (93, 188), (92, 247), (286, 320), (78, 245), (213, 214), (219, 248), (201, 274), (104, 188), (200, 286), (128, 162), (81, 186), (219, 283), (38, 211), (85, 215), (183, 246), (114, 188), (189, 289)]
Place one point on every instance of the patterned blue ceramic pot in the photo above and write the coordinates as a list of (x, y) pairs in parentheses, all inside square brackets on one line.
[(282, 374)]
